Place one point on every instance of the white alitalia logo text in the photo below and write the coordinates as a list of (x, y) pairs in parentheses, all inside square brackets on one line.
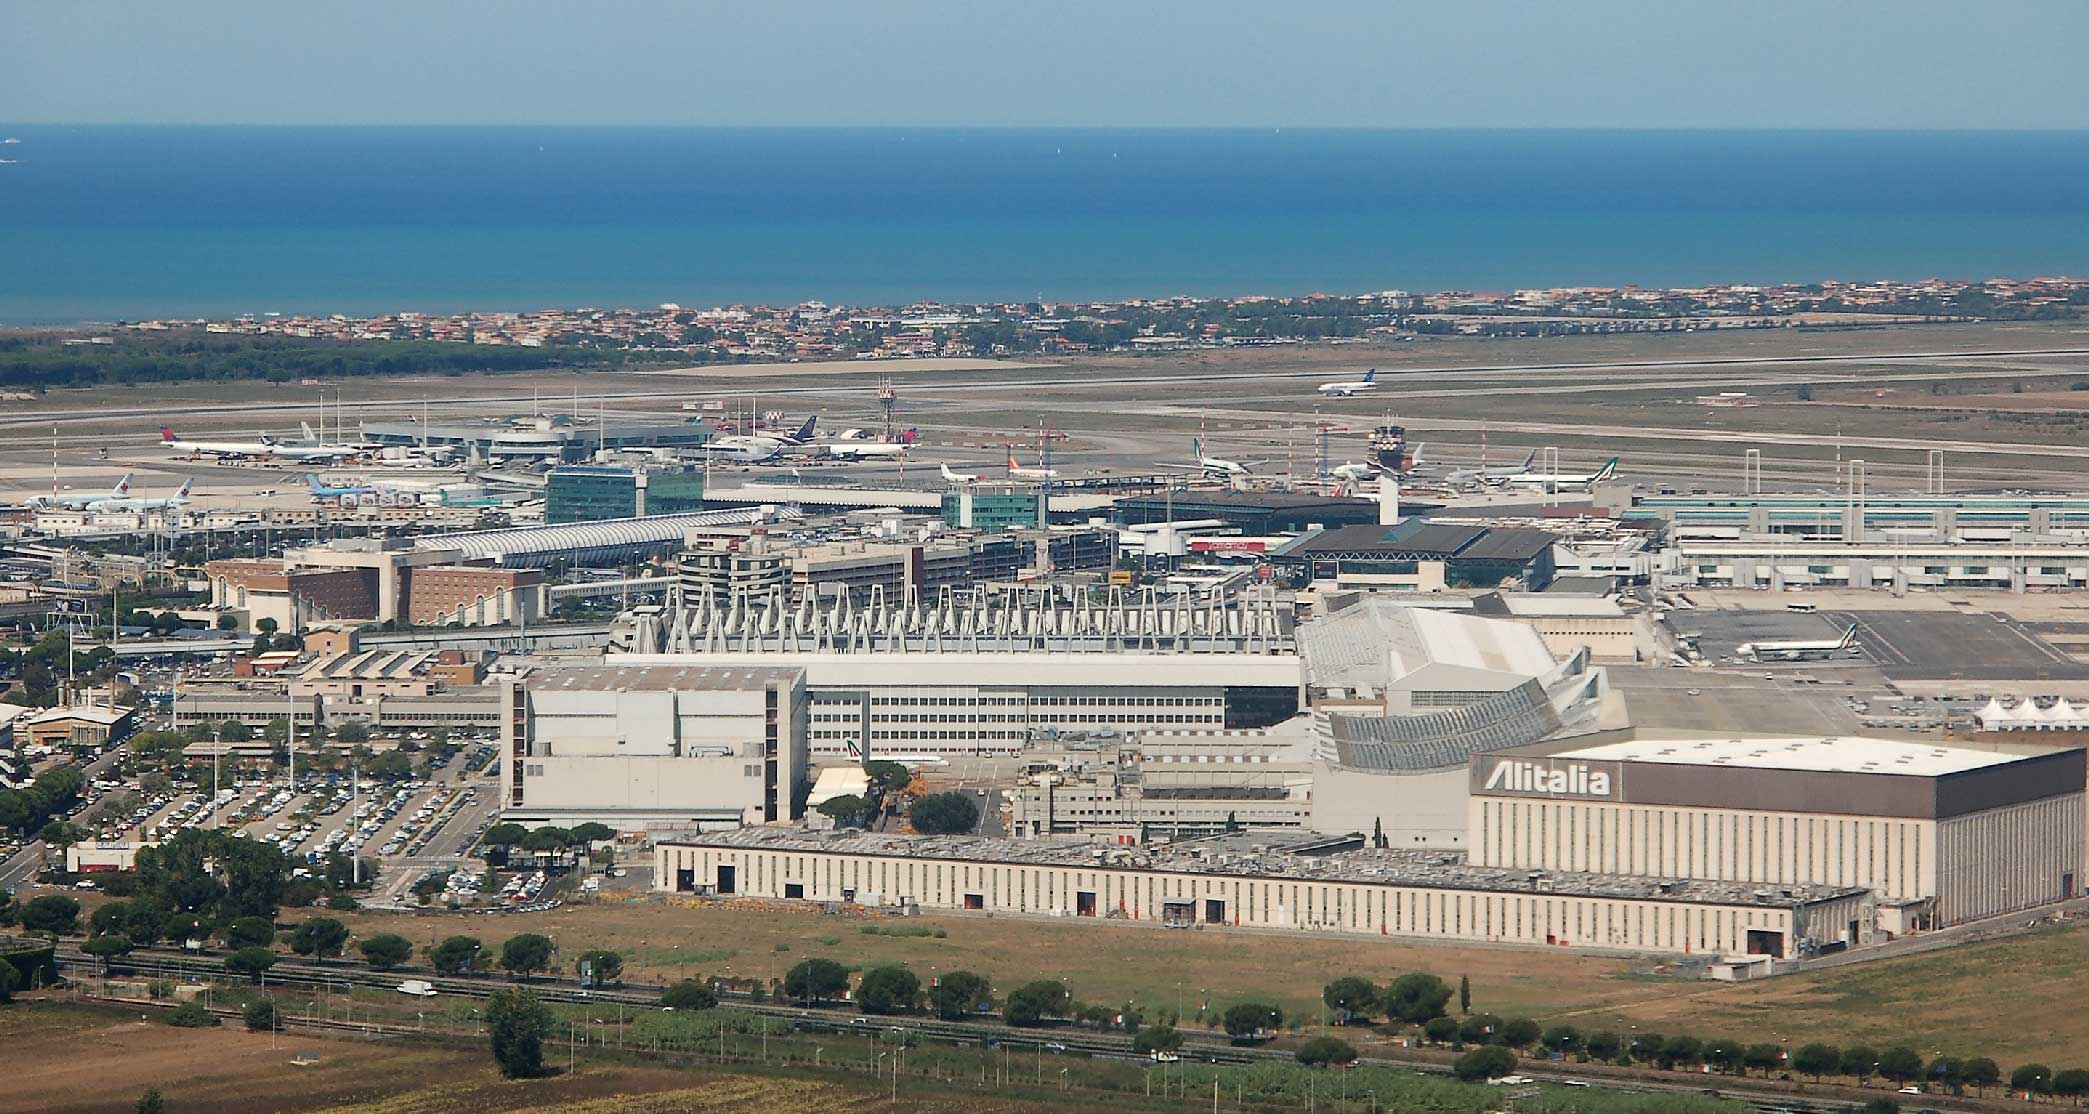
[(1575, 780)]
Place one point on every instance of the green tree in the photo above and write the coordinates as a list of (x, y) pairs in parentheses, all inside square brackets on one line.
[(1351, 998), (1762, 1057), (1724, 1054), (526, 953), (386, 950), (1157, 1038), (1561, 1039), (10, 981), (889, 988), (151, 1102), (1490, 1061), (191, 1015), (1860, 1062), (944, 814), (251, 962), (260, 1015), (1981, 1073), (1682, 1052), (1464, 994), (815, 980), (517, 1022), (55, 914), (249, 932), (547, 838), (1415, 998), (888, 777), (1881, 1105), (504, 835), (455, 955), (1033, 1002), (2032, 1079), (689, 995), (1604, 1045), (1323, 1051), (591, 832), (1249, 1019), (1519, 1032), (319, 937), (1480, 1028), (603, 966), (2071, 1082), (1900, 1064), (1817, 1059), (959, 994), (352, 734), (107, 946), (1441, 1030), (847, 810)]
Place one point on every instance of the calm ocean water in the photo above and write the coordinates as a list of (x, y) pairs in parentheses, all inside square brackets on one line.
[(101, 223)]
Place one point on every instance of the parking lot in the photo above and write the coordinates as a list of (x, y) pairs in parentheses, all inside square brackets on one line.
[(330, 812)]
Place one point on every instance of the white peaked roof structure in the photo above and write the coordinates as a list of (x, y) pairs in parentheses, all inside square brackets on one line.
[(1993, 716)]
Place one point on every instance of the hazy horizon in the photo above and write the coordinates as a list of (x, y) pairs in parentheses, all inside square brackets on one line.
[(1915, 65)]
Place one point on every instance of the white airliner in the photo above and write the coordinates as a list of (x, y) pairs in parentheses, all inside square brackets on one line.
[(314, 441), (180, 498), (958, 477), (1349, 390), (755, 448), (1490, 476), (265, 449), (79, 500), (1553, 481), (1798, 648), (1213, 465), (1023, 473), (871, 450)]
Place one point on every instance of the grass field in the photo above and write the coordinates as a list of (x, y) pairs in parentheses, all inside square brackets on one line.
[(1973, 999)]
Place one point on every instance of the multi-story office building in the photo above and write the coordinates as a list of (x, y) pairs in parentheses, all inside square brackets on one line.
[(660, 746), (586, 493)]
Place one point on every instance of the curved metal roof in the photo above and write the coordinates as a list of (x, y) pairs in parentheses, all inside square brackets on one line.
[(527, 545)]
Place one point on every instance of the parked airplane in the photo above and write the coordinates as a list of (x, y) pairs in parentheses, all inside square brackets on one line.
[(958, 477), (756, 448), (1798, 649), (872, 450), (180, 498), (1462, 477), (265, 449), (1357, 473), (322, 492), (1213, 465), (1349, 390), (79, 500), (1022, 473), (312, 440), (1553, 481)]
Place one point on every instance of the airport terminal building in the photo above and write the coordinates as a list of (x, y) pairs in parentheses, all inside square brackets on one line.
[(1940, 835)]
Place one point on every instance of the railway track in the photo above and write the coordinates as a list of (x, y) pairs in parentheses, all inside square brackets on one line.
[(162, 963)]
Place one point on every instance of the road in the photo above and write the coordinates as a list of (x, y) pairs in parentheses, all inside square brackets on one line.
[(25, 862), (1197, 1046)]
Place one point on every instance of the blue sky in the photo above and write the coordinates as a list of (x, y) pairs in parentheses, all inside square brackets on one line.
[(1221, 63)]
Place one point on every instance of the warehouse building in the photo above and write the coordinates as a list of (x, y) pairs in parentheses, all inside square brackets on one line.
[(1940, 835), (1309, 884), (637, 747)]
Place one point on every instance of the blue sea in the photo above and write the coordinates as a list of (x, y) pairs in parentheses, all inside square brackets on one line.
[(101, 223)]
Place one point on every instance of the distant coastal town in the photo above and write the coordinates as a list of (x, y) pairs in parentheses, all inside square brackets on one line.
[(816, 330)]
